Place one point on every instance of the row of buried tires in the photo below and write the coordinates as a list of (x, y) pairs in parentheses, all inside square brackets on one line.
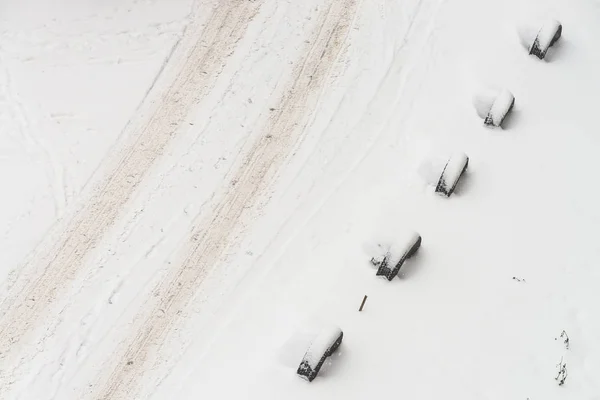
[(389, 263)]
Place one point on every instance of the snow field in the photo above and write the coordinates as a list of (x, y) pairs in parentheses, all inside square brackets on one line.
[(460, 320), (507, 263)]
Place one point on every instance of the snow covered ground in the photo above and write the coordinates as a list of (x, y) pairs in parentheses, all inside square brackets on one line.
[(192, 188)]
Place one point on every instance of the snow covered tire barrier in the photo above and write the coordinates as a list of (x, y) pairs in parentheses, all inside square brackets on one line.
[(549, 34), (502, 105), (323, 346), (390, 263), (453, 171)]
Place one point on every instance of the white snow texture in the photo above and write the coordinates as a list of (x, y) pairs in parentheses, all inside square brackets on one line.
[(192, 189)]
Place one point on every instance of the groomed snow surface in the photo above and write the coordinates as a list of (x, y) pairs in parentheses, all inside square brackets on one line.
[(193, 189)]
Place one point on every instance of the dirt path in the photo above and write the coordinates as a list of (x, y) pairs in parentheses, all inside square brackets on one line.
[(27, 301), (250, 181)]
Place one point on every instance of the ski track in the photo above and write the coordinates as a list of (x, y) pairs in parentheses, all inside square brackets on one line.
[(210, 242), (35, 144), (26, 303)]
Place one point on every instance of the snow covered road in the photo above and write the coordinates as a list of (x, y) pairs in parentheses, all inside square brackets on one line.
[(23, 306), (250, 182), (203, 55), (240, 162)]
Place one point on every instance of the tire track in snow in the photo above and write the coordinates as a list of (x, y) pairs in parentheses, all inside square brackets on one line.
[(211, 240), (393, 85), (28, 301)]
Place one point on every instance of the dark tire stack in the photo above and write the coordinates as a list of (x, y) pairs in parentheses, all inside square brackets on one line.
[(393, 260), (546, 37), (322, 347), (501, 107), (455, 168)]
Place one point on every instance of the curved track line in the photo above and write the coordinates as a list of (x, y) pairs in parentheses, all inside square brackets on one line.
[(373, 110), (26, 303), (254, 176)]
